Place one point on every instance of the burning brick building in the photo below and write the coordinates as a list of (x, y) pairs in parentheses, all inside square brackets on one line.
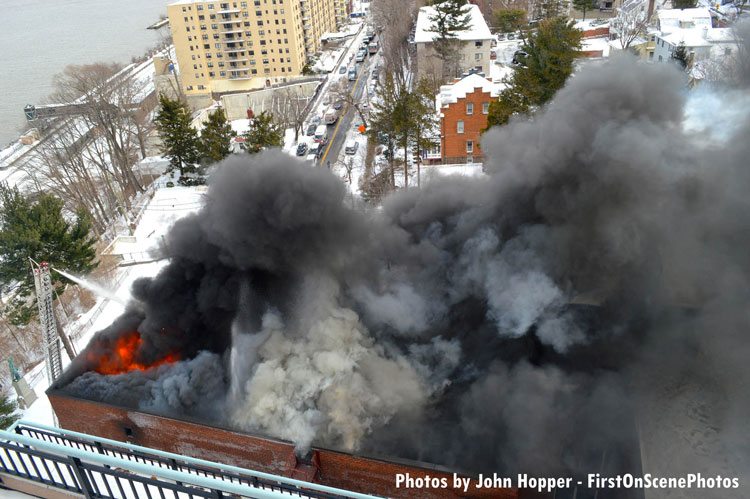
[(450, 327)]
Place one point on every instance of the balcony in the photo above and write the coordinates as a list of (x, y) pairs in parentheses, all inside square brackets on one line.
[(305, 9), (237, 60), (237, 40), (229, 31), (230, 11), (234, 51), (307, 27)]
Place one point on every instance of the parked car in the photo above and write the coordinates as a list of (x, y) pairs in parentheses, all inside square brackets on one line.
[(314, 151), (361, 56), (315, 120), (321, 134), (351, 147), (342, 70), (301, 148), (511, 36), (519, 57), (311, 129), (375, 73), (338, 105)]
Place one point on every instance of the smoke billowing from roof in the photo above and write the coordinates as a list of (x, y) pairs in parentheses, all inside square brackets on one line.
[(513, 322)]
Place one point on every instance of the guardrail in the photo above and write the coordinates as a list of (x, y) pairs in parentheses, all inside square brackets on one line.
[(100, 468)]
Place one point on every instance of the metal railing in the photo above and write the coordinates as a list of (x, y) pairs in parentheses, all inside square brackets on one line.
[(100, 468)]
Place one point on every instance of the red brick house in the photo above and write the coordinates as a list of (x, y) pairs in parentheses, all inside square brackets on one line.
[(463, 108)]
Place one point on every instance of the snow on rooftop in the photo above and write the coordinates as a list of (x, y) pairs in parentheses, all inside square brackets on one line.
[(478, 29), (673, 19), (700, 37), (449, 94)]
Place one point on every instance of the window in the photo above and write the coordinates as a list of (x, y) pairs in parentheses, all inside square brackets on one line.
[(189, 87), (201, 18), (222, 73), (210, 65), (218, 45), (469, 146), (201, 87), (478, 56), (214, 26), (460, 126), (469, 108), (660, 58), (206, 46), (650, 56), (205, 37), (210, 6), (477, 44), (243, 4), (197, 75), (216, 36)]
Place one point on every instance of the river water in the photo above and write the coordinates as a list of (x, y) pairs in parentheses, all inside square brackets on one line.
[(38, 38)]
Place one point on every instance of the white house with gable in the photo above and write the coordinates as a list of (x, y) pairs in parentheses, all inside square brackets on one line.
[(475, 44), (701, 43)]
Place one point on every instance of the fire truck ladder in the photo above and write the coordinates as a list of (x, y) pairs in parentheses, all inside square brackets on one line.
[(43, 285), (48, 460)]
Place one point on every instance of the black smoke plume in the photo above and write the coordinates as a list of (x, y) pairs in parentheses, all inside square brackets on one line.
[(581, 306)]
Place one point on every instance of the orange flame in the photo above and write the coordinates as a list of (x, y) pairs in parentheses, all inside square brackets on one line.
[(124, 354)]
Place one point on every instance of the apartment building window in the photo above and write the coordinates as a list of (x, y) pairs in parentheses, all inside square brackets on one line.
[(203, 27), (252, 62), (477, 57), (485, 107), (251, 52), (205, 37), (248, 33), (265, 61), (260, 23), (264, 52), (189, 87), (460, 126), (186, 19), (222, 73), (201, 17), (209, 64), (212, 17), (261, 33), (282, 11), (221, 64), (217, 45), (288, 60), (197, 75), (187, 28), (247, 24), (256, 3), (243, 4), (254, 71), (214, 26), (216, 36), (206, 46), (284, 30), (469, 108), (244, 13), (184, 10), (258, 13), (469, 146), (282, 70), (262, 42), (210, 6), (200, 7), (477, 44), (201, 87)]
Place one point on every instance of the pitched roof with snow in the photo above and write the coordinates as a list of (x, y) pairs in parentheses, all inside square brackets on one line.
[(478, 29), (449, 94)]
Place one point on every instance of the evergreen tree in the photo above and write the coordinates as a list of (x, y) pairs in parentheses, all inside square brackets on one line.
[(39, 230), (450, 18), (551, 52), (681, 56), (263, 133), (216, 138), (390, 118), (179, 139), (684, 4), (509, 20), (583, 6), (8, 414), (550, 9)]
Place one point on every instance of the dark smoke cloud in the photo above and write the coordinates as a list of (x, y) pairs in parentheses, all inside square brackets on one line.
[(591, 291)]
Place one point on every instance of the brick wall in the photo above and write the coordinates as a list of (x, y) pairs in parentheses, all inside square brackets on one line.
[(337, 469), (454, 143)]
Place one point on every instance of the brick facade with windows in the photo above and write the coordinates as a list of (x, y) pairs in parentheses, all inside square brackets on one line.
[(463, 109)]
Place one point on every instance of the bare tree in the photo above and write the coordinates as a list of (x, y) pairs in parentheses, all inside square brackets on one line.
[(115, 104), (339, 90), (397, 18), (628, 25), (290, 105)]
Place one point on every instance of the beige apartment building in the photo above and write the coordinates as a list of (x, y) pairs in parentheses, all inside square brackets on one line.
[(225, 46)]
